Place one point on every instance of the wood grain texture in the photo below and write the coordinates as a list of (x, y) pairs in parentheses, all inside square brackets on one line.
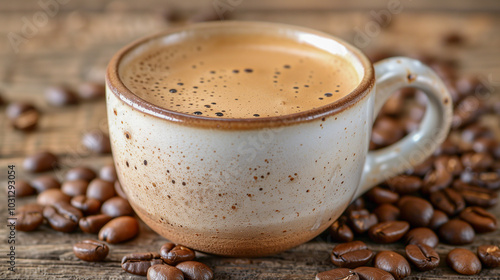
[(77, 42)]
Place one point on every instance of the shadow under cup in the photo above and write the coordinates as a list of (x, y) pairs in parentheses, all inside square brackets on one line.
[(240, 187)]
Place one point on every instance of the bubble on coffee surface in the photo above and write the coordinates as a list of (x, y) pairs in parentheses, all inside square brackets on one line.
[(239, 77)]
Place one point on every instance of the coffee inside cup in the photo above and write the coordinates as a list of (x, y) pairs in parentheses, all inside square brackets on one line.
[(238, 76)]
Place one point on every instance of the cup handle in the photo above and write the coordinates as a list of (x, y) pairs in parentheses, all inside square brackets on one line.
[(393, 74)]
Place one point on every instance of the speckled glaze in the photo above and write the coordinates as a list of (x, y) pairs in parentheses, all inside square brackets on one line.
[(253, 187)]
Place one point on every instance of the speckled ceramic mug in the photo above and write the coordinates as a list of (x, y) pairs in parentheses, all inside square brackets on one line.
[(253, 187)]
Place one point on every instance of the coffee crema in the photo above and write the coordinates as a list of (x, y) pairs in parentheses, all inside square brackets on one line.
[(238, 76)]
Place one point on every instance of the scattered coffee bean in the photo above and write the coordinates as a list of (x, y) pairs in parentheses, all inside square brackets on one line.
[(60, 96), (91, 250), (337, 274), (108, 173), (116, 207), (93, 223), (484, 145), (372, 273), (436, 180), (448, 200), (380, 195), (100, 190), (388, 232), (489, 180), (475, 131), (138, 263), (75, 187), (87, 205), (340, 232), (386, 131), (80, 173), (456, 232), (22, 116), (386, 212), (29, 217), (45, 182), (357, 204), (164, 272), (404, 184), (96, 141), (423, 168), (173, 254), (477, 161), (118, 189), (417, 211), (438, 219), (481, 220), (423, 257), (52, 196), (489, 255), (448, 147), (463, 261), (393, 263), (422, 235), (451, 163), (362, 220), (62, 216), (195, 270), (40, 162), (351, 254), (476, 196), (91, 91), (119, 230), (23, 188)]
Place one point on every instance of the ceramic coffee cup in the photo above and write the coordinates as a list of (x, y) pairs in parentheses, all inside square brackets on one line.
[(253, 187)]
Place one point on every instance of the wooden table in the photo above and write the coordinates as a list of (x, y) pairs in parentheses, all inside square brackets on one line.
[(77, 39)]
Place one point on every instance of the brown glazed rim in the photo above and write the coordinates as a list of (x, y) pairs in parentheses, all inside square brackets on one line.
[(127, 96)]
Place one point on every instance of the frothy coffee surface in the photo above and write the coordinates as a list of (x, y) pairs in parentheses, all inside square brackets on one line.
[(239, 76)]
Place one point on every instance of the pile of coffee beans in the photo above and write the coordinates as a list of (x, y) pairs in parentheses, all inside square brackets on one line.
[(444, 199)]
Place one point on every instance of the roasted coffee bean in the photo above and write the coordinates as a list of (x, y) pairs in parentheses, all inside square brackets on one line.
[(417, 211), (62, 216), (29, 217), (394, 105), (91, 250), (423, 257), (451, 163), (475, 131), (481, 220), (436, 180), (477, 161), (351, 254), (52, 196), (116, 207), (467, 85), (340, 232), (40, 162), (421, 235), (337, 274), (60, 96), (393, 263), (404, 184), (45, 182), (476, 196), (87, 205), (96, 141), (423, 168), (173, 254), (380, 195), (448, 147), (456, 232), (464, 114), (23, 188), (119, 230), (164, 272), (386, 212), (75, 187), (438, 219), (118, 189), (463, 261), (138, 263), (448, 200), (100, 190), (372, 273), (388, 232), (357, 204), (22, 116), (484, 145), (386, 131), (362, 220), (93, 223), (80, 173), (91, 91), (108, 173), (489, 180), (489, 255), (195, 270)]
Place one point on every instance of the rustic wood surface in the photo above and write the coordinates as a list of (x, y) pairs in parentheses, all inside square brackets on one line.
[(75, 43)]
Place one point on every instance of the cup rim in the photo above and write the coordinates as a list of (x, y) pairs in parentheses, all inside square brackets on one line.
[(120, 90)]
